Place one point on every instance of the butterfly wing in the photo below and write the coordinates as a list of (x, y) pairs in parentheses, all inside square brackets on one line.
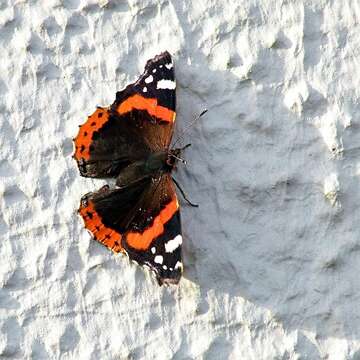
[(157, 244), (143, 221), (106, 213), (139, 122), (153, 92)]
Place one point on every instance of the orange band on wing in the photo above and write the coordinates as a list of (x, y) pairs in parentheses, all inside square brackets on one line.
[(142, 241), (138, 102), (93, 223), (83, 139)]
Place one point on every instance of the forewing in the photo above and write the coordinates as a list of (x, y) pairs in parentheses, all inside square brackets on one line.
[(140, 121), (157, 244), (153, 92)]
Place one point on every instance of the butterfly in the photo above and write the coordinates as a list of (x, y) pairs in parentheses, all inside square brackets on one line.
[(130, 141)]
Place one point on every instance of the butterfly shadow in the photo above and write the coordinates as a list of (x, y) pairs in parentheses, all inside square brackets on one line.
[(266, 232)]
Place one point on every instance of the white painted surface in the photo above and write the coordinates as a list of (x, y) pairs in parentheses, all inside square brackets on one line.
[(271, 257)]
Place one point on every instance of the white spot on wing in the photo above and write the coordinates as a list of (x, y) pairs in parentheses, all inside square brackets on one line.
[(173, 244), (169, 66), (154, 71), (166, 84), (149, 79), (153, 250), (145, 89), (158, 259), (178, 265), (164, 267)]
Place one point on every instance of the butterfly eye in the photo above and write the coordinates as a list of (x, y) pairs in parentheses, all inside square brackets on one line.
[(170, 161)]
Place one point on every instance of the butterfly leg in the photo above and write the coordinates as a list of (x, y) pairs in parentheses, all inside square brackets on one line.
[(183, 194)]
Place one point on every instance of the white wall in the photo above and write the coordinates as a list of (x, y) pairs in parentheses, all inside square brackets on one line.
[(272, 256)]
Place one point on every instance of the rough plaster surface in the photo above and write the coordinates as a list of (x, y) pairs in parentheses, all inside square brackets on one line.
[(272, 258)]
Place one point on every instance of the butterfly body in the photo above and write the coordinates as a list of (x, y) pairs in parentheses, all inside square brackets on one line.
[(130, 141), (152, 167)]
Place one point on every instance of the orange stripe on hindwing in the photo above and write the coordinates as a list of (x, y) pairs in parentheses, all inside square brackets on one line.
[(83, 138), (93, 223), (142, 241), (138, 102)]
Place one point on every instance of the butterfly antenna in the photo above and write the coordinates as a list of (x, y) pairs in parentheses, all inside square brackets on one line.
[(178, 158), (189, 127), (185, 147), (183, 194)]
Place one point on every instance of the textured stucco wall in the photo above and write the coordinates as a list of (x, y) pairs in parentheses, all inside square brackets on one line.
[(272, 257)]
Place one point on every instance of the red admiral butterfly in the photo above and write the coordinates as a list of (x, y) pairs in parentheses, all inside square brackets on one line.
[(130, 141)]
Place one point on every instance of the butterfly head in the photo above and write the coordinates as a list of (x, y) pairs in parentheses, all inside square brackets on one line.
[(174, 155)]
